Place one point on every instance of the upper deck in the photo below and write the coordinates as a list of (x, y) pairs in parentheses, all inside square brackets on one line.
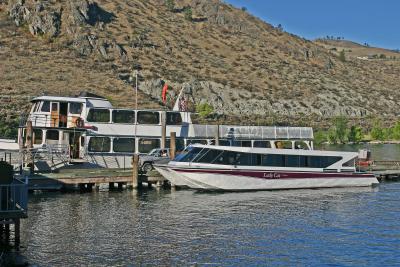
[(97, 116)]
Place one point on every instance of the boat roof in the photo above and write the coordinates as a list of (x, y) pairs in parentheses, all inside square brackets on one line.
[(59, 99), (300, 152)]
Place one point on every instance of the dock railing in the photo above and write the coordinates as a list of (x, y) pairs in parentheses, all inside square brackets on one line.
[(14, 199)]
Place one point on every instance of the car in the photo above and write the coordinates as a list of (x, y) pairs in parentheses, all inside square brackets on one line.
[(157, 155)]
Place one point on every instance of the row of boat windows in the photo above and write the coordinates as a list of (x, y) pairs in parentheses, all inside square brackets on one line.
[(128, 116), (213, 156), (47, 106), (127, 145)]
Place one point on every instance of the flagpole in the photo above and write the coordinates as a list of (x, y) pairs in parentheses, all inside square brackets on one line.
[(136, 99)]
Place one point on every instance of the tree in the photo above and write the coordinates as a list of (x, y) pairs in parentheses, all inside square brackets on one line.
[(355, 134), (280, 27), (377, 132), (188, 13), (244, 8), (170, 4), (342, 56), (341, 129)]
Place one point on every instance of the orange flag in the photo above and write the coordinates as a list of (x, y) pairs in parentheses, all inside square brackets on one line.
[(164, 93)]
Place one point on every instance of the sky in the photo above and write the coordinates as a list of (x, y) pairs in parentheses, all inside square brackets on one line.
[(376, 22)]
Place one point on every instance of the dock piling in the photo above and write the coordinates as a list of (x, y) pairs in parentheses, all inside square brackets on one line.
[(163, 129), (217, 136), (135, 171), (172, 149)]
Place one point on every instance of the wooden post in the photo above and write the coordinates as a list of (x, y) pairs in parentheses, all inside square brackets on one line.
[(135, 171), (17, 233), (217, 136), (172, 148), (163, 129), (29, 144)]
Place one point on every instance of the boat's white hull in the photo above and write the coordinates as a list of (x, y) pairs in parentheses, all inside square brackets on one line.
[(234, 182)]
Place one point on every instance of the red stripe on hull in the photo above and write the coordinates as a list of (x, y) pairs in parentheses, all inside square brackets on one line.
[(279, 174)]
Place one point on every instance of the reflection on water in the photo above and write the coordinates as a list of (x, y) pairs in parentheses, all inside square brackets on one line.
[(378, 151), (352, 227)]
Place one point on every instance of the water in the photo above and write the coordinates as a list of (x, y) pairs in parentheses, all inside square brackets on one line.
[(332, 227), (325, 227)]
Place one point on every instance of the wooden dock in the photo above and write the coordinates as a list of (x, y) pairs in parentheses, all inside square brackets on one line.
[(388, 170), (88, 178)]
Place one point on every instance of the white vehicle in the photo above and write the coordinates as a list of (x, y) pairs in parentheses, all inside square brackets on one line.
[(207, 167)]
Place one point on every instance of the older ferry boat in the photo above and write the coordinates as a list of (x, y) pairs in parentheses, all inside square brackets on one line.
[(231, 168), (88, 130)]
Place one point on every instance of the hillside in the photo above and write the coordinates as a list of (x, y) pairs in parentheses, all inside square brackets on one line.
[(356, 50), (246, 69)]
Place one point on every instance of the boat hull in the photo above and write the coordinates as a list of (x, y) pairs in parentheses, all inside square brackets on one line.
[(236, 180)]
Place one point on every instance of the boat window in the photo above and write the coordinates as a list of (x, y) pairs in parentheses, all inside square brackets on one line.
[(224, 143), (126, 145), (245, 143), (188, 154), (75, 108), (52, 135), (123, 116), (210, 156), (146, 145), (99, 144), (321, 161), (283, 144), (179, 143), (227, 158), (350, 163), (148, 117), (38, 133), (292, 161), (273, 160), (196, 141), (98, 115), (54, 106), (174, 118), (45, 106), (262, 144)]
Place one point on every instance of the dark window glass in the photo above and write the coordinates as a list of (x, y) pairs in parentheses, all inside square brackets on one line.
[(124, 145), (224, 143), (98, 115), (262, 144), (75, 108), (146, 145), (227, 158), (245, 143), (273, 160), (148, 117), (54, 106), (46, 106), (52, 135), (243, 159), (123, 116), (179, 143), (174, 118), (99, 144), (210, 156), (38, 136), (292, 161), (188, 155)]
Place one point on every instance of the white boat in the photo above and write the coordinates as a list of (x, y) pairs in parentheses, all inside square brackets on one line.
[(88, 130), (231, 168)]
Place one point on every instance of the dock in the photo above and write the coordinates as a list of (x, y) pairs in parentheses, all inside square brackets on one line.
[(87, 179), (385, 170)]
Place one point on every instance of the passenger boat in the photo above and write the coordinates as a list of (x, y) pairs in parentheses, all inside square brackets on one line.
[(231, 168), (87, 129)]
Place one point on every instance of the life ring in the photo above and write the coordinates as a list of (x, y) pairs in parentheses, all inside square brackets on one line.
[(79, 123)]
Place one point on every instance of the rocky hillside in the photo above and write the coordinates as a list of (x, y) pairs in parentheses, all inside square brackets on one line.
[(242, 66)]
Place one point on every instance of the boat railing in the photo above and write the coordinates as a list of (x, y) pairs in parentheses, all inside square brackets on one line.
[(46, 120), (14, 198), (252, 132)]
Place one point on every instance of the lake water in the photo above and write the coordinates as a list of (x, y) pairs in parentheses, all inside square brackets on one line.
[(325, 227)]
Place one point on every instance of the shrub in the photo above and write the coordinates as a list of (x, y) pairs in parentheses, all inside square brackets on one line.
[(355, 134), (170, 4), (342, 56), (188, 13), (204, 109)]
